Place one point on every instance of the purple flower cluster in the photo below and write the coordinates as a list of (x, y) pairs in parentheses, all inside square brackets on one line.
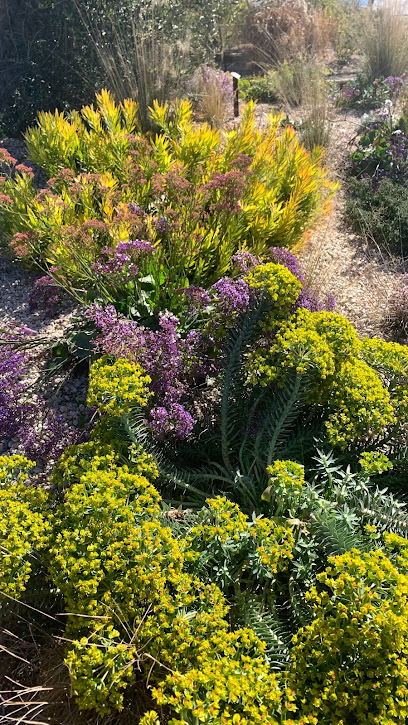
[(121, 263), (51, 438), (136, 209), (172, 361), (14, 410), (42, 434), (206, 76), (174, 421), (231, 296), (398, 145), (394, 83), (350, 92), (280, 255), (161, 225), (245, 261), (312, 302), (197, 296), (45, 296)]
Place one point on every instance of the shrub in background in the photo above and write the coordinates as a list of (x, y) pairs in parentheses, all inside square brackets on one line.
[(347, 22), (258, 88), (46, 61), (286, 31), (212, 93), (367, 93), (380, 213), (56, 55), (302, 84), (377, 200)]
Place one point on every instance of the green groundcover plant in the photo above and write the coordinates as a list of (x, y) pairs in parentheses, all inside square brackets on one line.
[(377, 199)]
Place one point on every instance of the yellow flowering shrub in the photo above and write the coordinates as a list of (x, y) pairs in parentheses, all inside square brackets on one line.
[(116, 387), (104, 451), (101, 671), (350, 665), (390, 360), (95, 533), (360, 405), (281, 285), (24, 528), (225, 540), (356, 400), (121, 574), (374, 463), (287, 480), (236, 687), (14, 469), (150, 718)]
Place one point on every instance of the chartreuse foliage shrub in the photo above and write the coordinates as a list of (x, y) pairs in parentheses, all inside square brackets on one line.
[(24, 528), (138, 605), (360, 384), (225, 541), (117, 387), (236, 687), (194, 195), (350, 664), (126, 571)]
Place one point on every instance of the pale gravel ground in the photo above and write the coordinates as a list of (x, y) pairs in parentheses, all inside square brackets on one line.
[(337, 260), (16, 284)]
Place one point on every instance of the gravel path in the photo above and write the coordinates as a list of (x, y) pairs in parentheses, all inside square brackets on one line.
[(337, 260)]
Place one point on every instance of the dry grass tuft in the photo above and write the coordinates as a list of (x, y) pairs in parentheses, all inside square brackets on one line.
[(141, 64), (385, 41)]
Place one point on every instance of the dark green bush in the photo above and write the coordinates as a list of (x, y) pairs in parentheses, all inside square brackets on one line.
[(380, 212), (258, 88), (46, 61)]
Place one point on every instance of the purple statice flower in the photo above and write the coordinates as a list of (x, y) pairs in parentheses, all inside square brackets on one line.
[(330, 302), (120, 263), (394, 83), (350, 92), (206, 77), (194, 349), (45, 296), (161, 225), (116, 266), (42, 434), (246, 261), (173, 362), (135, 248), (309, 299), (135, 209), (231, 297), (14, 409), (197, 296), (283, 256), (49, 441), (174, 421)]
